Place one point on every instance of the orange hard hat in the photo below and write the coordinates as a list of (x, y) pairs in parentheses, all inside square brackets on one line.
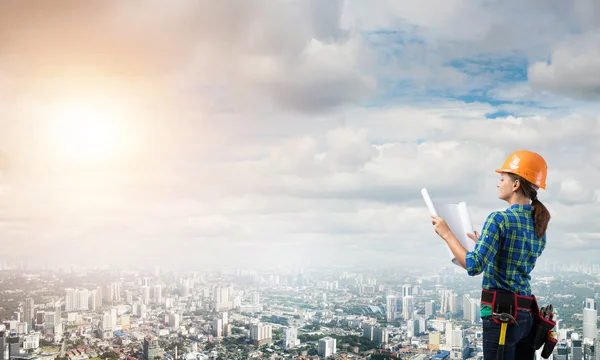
[(528, 165)]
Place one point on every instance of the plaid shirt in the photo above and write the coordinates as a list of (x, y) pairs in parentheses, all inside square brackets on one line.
[(507, 250)]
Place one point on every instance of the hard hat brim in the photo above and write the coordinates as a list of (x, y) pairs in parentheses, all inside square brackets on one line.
[(512, 171)]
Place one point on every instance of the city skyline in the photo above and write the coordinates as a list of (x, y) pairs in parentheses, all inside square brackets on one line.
[(86, 314)]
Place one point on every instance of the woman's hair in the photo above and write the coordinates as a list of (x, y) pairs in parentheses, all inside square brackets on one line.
[(541, 215)]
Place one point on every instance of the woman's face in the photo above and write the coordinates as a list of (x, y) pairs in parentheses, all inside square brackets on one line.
[(506, 186)]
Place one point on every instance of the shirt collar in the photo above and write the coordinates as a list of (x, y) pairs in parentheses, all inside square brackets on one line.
[(521, 207)]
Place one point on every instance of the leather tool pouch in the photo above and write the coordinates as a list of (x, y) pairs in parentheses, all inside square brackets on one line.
[(542, 333), (504, 302)]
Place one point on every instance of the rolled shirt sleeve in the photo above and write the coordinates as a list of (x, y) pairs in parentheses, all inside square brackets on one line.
[(487, 246)]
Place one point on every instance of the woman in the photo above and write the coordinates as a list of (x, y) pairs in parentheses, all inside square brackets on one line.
[(506, 252)]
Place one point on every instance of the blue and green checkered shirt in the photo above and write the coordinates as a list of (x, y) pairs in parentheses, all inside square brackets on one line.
[(506, 251)]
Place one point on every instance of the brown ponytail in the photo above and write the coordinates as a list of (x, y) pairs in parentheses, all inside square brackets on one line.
[(541, 215), (541, 218)]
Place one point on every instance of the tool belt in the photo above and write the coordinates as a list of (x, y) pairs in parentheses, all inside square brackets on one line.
[(503, 301), (507, 302)]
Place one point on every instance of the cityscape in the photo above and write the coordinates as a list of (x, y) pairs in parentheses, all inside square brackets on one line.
[(266, 179), (303, 313)]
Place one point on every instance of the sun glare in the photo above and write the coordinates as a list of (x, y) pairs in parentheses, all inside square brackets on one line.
[(85, 131)]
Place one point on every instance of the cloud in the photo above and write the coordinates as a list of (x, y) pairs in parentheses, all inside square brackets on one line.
[(325, 75), (293, 132), (288, 51), (570, 67)]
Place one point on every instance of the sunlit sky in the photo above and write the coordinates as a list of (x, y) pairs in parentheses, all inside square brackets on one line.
[(239, 133)]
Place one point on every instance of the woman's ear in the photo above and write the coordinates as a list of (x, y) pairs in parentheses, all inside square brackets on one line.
[(516, 185)]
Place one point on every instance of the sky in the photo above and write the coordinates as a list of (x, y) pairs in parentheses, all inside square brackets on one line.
[(251, 134)]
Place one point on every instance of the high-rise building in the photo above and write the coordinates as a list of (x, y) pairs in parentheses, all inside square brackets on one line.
[(589, 350), (391, 308), (434, 341), (562, 352), (448, 333), (83, 299), (79, 299), (217, 328), (28, 313), (150, 348), (407, 290), (99, 296), (327, 347), (590, 319), (368, 331), (115, 289), (381, 336), (408, 307), (146, 294), (576, 349), (430, 309), (40, 319), (71, 299), (412, 328), (222, 297), (454, 303), (261, 334), (174, 320), (157, 294), (290, 337), (57, 320), (2, 345), (129, 296), (459, 349), (92, 305), (445, 300), (14, 347)]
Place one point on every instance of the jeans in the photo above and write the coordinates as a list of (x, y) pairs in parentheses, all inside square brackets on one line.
[(518, 343)]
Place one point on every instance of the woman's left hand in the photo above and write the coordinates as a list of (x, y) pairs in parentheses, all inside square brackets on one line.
[(441, 227)]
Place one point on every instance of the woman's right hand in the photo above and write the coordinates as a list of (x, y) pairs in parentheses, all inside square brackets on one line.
[(475, 237)]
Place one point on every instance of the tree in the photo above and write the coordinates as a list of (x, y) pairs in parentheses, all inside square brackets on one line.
[(44, 342)]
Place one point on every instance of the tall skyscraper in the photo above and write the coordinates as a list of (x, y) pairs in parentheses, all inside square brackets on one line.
[(407, 290), (146, 294), (70, 300), (381, 336), (590, 322), (157, 294), (408, 307), (28, 313), (445, 300), (2, 345), (429, 308), (576, 348), (99, 296), (115, 289), (391, 308), (83, 299), (150, 348)]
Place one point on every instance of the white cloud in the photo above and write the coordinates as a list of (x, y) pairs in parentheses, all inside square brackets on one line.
[(324, 75), (571, 69), (264, 138)]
